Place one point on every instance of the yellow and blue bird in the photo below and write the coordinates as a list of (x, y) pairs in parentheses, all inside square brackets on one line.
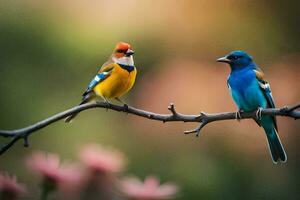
[(251, 92), (114, 79)]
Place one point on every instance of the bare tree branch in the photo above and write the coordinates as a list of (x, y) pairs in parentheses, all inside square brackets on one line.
[(202, 118)]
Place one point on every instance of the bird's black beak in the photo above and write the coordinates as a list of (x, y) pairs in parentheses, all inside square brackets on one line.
[(223, 59), (129, 52)]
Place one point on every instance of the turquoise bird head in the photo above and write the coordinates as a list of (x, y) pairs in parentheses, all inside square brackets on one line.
[(237, 59)]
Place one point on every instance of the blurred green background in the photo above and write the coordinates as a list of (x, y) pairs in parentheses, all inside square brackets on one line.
[(50, 50)]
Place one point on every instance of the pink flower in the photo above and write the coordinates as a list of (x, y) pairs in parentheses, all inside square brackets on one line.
[(67, 178), (103, 160), (10, 187), (102, 164), (151, 189)]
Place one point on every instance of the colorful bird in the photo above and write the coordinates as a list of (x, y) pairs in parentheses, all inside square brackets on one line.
[(251, 92), (114, 79)]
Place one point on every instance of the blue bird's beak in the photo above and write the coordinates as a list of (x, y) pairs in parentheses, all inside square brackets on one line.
[(129, 52), (223, 59)]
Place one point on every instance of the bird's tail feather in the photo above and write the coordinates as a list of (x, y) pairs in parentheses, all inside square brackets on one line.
[(86, 99), (276, 149), (71, 117)]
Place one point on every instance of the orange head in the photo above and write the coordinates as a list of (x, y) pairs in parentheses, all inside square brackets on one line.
[(123, 50)]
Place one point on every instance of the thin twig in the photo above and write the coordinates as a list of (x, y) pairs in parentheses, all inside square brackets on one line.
[(204, 121), (202, 118)]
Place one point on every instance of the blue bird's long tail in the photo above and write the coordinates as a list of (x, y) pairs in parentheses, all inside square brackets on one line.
[(276, 149)]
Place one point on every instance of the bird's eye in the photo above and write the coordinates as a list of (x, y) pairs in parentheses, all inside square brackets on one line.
[(120, 51), (234, 57)]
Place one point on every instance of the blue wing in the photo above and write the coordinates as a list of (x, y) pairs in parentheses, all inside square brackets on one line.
[(266, 90), (98, 79)]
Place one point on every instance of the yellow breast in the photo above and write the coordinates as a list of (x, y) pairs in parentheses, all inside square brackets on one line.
[(117, 84)]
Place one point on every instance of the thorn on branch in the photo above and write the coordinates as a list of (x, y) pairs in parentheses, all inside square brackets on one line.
[(291, 111), (285, 109), (292, 108), (26, 141), (171, 108), (202, 116)]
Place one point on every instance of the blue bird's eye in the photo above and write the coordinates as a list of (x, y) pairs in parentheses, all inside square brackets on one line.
[(233, 57)]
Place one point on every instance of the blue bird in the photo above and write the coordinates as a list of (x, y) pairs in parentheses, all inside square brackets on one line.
[(251, 92)]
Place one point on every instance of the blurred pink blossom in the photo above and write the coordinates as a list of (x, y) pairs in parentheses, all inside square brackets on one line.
[(150, 189), (9, 186), (67, 177), (103, 160)]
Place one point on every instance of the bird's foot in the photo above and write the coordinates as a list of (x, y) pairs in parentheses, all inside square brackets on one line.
[(107, 103), (238, 115), (125, 106), (120, 100), (258, 113), (104, 101)]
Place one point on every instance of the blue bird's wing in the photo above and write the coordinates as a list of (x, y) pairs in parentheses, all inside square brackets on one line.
[(266, 90), (103, 73)]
